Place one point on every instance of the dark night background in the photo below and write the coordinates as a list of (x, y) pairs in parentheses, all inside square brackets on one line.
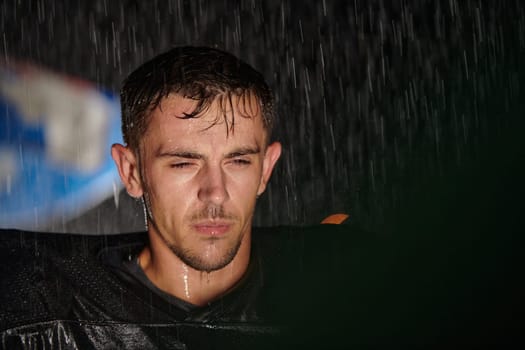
[(374, 97), (408, 115)]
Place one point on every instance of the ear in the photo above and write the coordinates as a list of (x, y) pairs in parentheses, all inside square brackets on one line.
[(128, 170), (273, 152)]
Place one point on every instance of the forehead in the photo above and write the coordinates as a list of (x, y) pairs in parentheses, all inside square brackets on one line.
[(226, 120)]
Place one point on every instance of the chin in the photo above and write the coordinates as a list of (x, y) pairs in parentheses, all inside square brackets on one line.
[(207, 265), (210, 258)]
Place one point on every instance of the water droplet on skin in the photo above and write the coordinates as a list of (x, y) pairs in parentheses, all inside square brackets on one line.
[(185, 280), (205, 277)]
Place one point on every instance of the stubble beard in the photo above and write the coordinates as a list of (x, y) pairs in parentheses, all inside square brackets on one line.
[(201, 263), (191, 258)]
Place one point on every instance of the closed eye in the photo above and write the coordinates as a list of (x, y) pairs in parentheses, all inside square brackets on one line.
[(180, 165), (241, 161)]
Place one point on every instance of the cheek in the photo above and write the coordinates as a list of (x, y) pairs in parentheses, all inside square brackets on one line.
[(168, 191), (246, 184)]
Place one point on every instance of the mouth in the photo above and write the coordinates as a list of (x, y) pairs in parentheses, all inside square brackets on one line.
[(212, 228)]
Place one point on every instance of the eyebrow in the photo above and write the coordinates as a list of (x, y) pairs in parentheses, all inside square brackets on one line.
[(243, 151), (179, 154)]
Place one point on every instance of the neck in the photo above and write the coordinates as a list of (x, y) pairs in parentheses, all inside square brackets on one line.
[(170, 274)]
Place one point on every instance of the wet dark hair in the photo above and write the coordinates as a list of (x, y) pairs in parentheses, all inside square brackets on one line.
[(199, 73)]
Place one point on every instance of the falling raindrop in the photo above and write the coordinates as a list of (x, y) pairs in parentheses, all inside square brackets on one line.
[(368, 92)]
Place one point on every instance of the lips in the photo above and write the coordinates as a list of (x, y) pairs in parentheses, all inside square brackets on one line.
[(212, 228)]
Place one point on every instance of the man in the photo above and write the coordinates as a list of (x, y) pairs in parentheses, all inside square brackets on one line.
[(197, 126), (197, 123)]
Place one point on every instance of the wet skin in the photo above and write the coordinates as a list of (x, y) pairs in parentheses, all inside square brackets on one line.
[(200, 180)]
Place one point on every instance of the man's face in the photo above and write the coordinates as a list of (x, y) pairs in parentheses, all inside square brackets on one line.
[(200, 182)]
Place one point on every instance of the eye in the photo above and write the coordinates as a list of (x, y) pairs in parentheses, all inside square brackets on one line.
[(241, 161), (181, 165)]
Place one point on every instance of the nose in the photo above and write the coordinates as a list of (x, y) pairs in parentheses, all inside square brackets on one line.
[(212, 186)]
